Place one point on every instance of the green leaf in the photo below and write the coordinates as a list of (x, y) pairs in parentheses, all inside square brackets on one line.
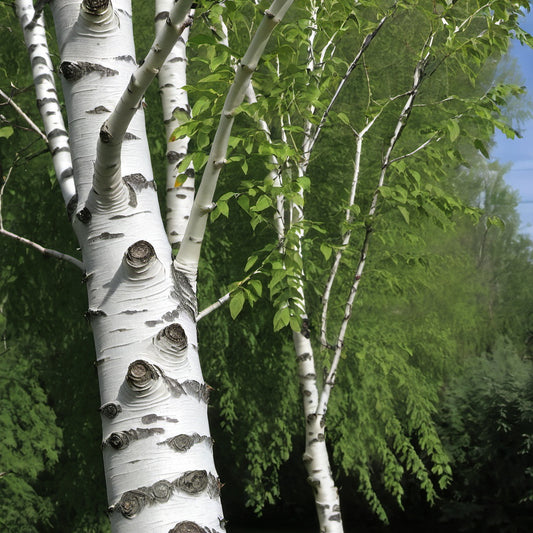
[(404, 212), (281, 318), (236, 303), (250, 263), (6, 132), (326, 250)]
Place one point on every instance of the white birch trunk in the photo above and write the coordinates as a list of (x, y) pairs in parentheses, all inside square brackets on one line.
[(156, 443), (172, 77)]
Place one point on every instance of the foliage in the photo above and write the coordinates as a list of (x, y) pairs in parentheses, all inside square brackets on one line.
[(31, 440), (487, 425), (427, 302)]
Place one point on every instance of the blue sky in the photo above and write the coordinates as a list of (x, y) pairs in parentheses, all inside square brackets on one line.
[(519, 152)]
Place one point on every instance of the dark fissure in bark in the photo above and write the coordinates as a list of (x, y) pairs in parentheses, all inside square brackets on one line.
[(192, 482), (74, 71), (153, 418), (183, 442), (121, 439)]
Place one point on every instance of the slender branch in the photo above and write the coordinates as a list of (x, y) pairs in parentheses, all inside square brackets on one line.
[(107, 180), (421, 147), (418, 77), (189, 252), (9, 100), (366, 43), (176, 110), (47, 252), (55, 132)]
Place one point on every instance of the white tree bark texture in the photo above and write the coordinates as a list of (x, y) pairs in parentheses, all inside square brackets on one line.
[(46, 94), (157, 447), (176, 110)]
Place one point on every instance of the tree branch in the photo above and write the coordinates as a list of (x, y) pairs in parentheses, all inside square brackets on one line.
[(47, 252), (107, 180), (418, 77), (56, 135), (189, 252), (176, 110)]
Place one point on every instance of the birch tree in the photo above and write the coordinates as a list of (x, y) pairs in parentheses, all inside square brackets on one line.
[(142, 302), (142, 299)]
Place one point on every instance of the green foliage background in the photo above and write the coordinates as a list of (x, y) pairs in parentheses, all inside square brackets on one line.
[(444, 284)]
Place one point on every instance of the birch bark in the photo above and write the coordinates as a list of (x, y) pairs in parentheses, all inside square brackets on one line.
[(156, 443)]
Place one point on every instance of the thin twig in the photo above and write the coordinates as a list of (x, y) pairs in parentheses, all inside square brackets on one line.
[(9, 100), (47, 252)]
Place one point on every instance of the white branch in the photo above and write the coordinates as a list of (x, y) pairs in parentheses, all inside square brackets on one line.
[(107, 179), (176, 110), (189, 252), (56, 135), (418, 77)]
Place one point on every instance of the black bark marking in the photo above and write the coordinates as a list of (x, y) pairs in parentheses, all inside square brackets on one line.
[(130, 137), (335, 518), (67, 173), (43, 101), (57, 133), (153, 418), (74, 71), (153, 323), (71, 206), (105, 236), (118, 217), (133, 311), (184, 294), (128, 58), (93, 313), (98, 110), (84, 216), (43, 77), (105, 133), (190, 387), (136, 183), (111, 410), (174, 157), (120, 440), (125, 13), (161, 16), (38, 60), (60, 149), (183, 442), (176, 59), (193, 482)]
